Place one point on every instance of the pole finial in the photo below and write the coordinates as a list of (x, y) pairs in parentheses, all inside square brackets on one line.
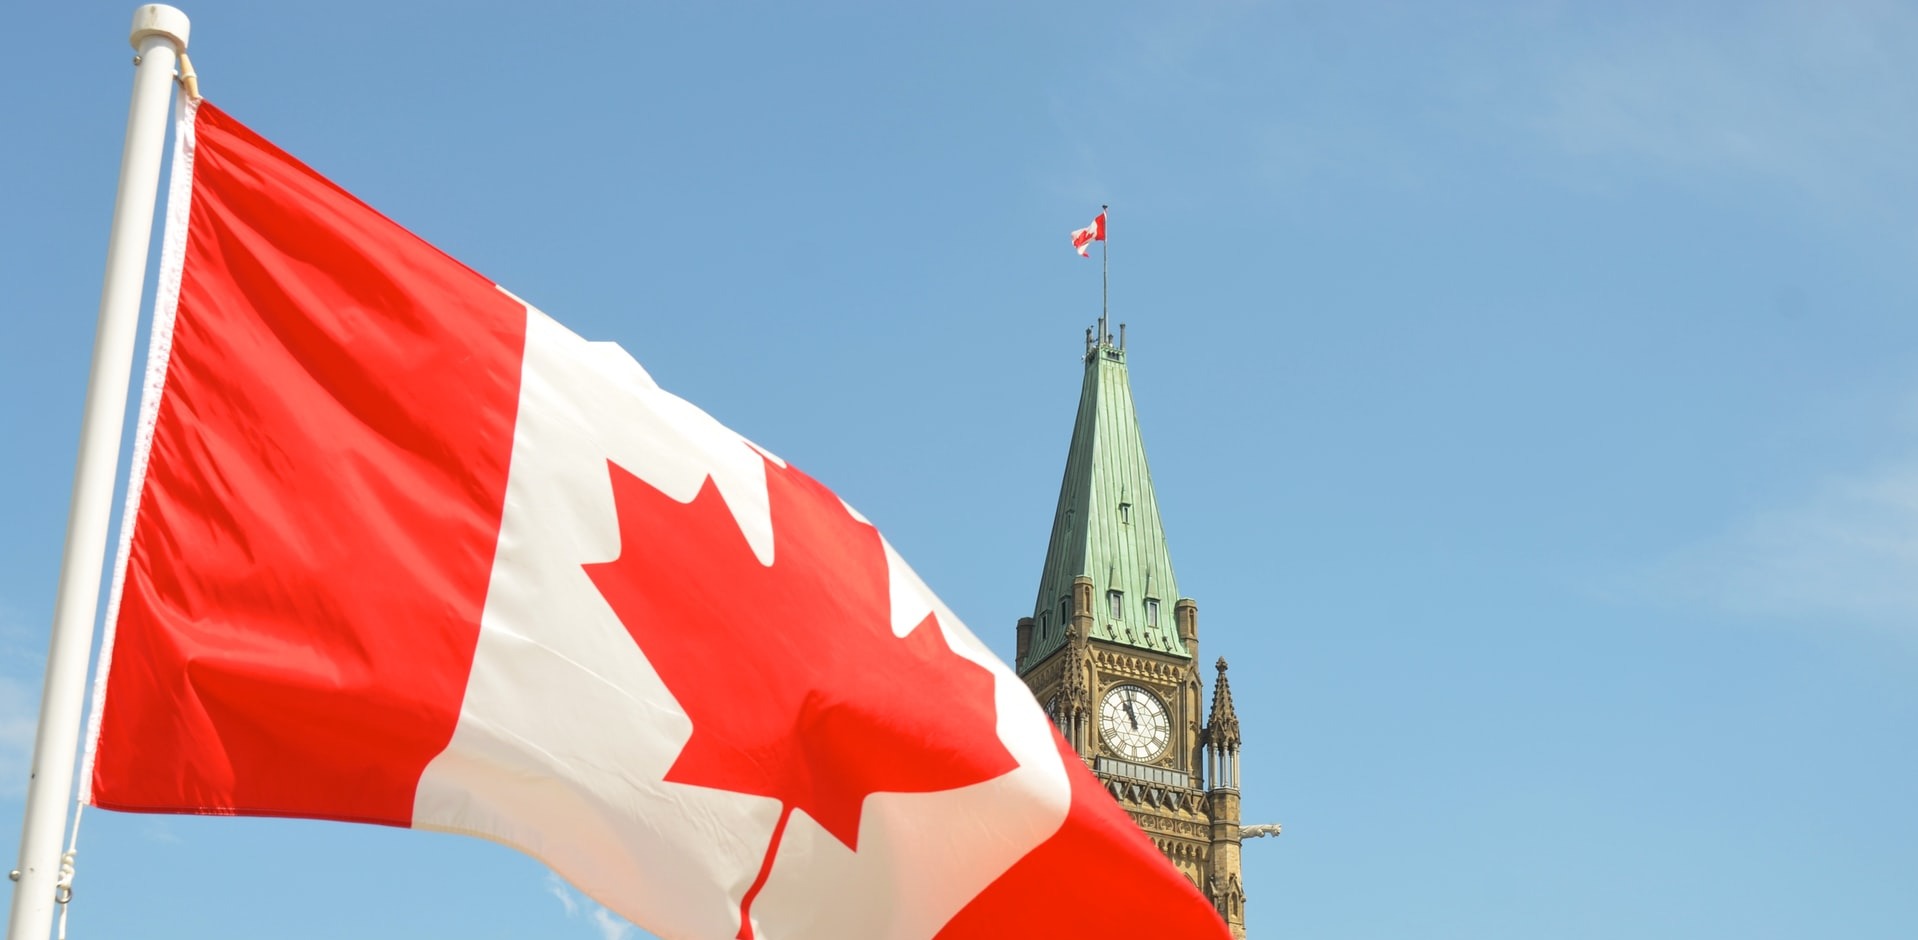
[(158, 19)]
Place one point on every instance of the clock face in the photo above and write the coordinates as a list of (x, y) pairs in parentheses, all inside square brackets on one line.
[(1134, 723)]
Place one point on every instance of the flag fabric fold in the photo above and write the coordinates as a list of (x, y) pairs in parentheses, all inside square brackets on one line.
[(1083, 238), (402, 549)]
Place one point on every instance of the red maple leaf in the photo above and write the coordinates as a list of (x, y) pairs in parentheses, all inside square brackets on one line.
[(795, 684)]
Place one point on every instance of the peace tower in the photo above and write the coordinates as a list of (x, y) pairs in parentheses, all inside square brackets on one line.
[(1112, 649)]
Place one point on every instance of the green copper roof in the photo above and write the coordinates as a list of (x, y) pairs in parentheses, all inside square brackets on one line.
[(1107, 525)]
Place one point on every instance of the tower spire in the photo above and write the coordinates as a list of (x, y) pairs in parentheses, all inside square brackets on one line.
[(1106, 528), (1223, 884)]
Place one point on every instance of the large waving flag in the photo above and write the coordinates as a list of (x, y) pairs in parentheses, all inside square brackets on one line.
[(401, 549)]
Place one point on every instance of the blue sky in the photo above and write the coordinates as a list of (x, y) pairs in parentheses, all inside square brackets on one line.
[(1531, 391)]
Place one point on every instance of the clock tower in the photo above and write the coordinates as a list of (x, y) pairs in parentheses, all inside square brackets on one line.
[(1112, 649)]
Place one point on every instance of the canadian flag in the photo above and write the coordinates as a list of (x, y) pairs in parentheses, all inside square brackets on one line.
[(401, 549), (1083, 238)]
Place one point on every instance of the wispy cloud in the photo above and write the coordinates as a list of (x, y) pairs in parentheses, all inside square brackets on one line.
[(1812, 97), (1848, 554), (610, 925), (568, 898), (157, 830), (1771, 99)]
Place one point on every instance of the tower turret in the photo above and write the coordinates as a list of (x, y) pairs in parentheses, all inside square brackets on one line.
[(1223, 884)]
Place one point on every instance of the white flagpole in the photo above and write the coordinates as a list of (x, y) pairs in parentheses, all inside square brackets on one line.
[(160, 36)]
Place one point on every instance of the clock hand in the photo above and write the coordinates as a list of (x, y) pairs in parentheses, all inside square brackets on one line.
[(1131, 715)]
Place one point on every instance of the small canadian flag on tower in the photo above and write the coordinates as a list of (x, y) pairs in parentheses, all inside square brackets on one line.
[(1082, 239)]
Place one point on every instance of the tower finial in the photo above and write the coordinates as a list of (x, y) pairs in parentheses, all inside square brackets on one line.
[(1223, 729)]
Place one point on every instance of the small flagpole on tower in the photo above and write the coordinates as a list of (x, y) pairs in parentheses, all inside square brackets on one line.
[(1105, 261)]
